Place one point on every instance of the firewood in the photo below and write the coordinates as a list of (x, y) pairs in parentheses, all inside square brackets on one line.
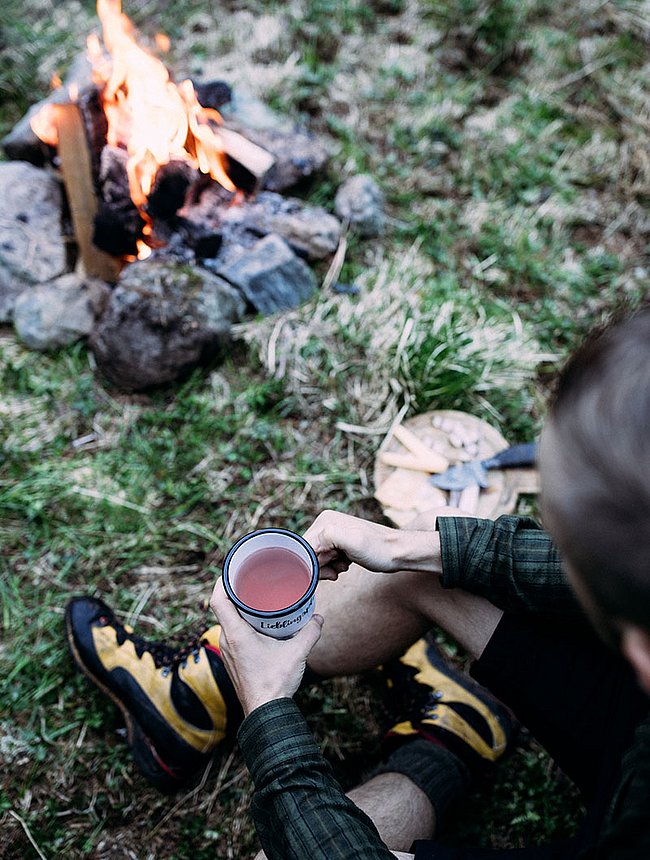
[(77, 174), (436, 462), (242, 153), (416, 463)]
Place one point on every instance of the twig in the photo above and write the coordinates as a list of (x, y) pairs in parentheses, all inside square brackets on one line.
[(84, 440), (23, 824), (338, 259), (134, 614), (184, 799), (585, 72), (270, 354), (82, 735), (223, 771), (106, 497), (362, 431), (159, 570)]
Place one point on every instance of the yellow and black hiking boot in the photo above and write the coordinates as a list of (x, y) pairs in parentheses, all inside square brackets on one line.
[(432, 700), (178, 703)]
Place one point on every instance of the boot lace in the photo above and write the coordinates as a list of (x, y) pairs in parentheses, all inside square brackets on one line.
[(165, 655)]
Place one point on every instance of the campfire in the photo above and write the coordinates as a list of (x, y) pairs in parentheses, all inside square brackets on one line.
[(153, 131), (181, 223)]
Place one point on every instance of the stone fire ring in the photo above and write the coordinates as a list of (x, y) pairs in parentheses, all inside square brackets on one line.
[(408, 500)]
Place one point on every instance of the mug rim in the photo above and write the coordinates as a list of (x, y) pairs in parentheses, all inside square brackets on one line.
[(274, 613)]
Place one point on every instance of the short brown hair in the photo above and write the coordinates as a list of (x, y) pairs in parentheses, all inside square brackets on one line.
[(600, 506)]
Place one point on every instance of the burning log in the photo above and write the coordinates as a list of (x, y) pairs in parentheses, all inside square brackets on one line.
[(22, 143), (248, 164), (212, 94), (117, 226), (169, 189), (298, 155), (95, 125), (78, 180)]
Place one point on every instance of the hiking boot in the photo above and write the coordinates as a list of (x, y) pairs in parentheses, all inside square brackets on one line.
[(178, 704), (436, 702)]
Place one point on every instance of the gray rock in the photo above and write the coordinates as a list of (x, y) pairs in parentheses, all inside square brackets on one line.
[(360, 201), (11, 286), (163, 320), (270, 276), (51, 315), (21, 143), (31, 239), (310, 230)]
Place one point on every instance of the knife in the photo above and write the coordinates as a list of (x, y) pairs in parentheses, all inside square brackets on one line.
[(475, 472)]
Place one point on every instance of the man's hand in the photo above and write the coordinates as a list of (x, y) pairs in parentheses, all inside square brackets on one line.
[(260, 667), (340, 539)]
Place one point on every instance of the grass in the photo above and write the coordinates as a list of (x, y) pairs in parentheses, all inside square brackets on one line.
[(510, 142)]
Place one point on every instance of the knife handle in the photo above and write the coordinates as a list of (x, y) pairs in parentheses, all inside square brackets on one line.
[(517, 455)]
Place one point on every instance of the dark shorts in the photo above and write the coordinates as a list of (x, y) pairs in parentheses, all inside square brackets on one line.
[(578, 698)]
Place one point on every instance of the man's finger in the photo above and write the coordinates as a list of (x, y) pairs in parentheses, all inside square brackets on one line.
[(310, 633), (313, 538), (221, 604)]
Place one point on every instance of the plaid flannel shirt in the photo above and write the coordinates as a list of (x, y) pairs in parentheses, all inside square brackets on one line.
[(300, 810)]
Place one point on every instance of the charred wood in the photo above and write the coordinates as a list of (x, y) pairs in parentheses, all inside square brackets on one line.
[(186, 241), (170, 187), (96, 127), (117, 225), (117, 228), (212, 94)]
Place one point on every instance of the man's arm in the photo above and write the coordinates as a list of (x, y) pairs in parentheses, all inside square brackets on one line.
[(511, 561), (298, 807)]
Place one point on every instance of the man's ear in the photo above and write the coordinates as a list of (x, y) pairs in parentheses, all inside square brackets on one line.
[(635, 645)]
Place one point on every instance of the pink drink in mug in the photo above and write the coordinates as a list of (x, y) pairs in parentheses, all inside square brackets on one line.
[(271, 576)]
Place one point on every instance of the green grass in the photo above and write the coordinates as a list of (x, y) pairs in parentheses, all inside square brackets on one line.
[(504, 138)]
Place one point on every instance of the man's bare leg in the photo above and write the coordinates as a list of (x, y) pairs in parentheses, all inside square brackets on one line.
[(371, 617), (400, 810)]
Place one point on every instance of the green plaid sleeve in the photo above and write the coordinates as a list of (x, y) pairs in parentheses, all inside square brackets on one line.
[(511, 561), (298, 807)]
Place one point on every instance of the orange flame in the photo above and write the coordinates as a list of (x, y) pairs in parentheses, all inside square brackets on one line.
[(148, 115), (163, 42), (144, 251), (45, 123)]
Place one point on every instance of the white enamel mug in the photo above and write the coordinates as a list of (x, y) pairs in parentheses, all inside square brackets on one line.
[(278, 623)]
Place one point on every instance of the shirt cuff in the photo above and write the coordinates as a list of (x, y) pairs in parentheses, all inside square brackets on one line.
[(273, 734), (455, 536)]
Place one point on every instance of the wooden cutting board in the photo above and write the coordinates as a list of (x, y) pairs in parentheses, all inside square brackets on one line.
[(410, 501)]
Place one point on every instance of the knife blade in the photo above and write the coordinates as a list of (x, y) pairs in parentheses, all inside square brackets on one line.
[(476, 472)]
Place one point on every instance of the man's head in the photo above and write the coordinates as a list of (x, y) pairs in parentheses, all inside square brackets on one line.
[(595, 468)]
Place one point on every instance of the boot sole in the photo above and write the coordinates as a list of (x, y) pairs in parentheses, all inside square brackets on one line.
[(144, 753)]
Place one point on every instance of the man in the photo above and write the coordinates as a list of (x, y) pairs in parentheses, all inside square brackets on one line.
[(499, 588)]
